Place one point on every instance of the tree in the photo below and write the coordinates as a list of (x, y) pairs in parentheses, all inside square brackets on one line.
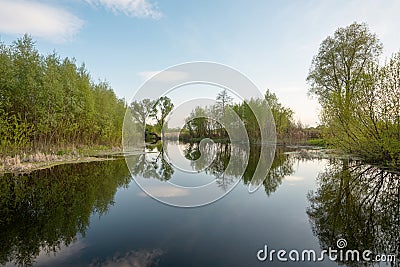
[(360, 98), (283, 116), (337, 72), (48, 102), (197, 123), (338, 75), (377, 123), (209, 122), (223, 99), (141, 110), (161, 109)]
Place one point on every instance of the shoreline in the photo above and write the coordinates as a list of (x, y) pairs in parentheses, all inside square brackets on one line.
[(23, 164), (26, 164), (39, 161)]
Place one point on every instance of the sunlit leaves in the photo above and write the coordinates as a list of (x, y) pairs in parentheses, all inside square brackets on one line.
[(359, 97), (50, 102)]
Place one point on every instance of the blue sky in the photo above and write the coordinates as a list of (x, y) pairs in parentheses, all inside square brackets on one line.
[(125, 41)]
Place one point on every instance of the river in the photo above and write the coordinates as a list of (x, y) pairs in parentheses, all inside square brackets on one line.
[(95, 214)]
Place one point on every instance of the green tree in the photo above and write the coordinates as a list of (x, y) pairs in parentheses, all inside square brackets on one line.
[(223, 100), (141, 110), (197, 123), (336, 76), (48, 102), (283, 116), (359, 97), (161, 110)]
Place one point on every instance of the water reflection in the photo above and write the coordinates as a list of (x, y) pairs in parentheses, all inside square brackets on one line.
[(360, 204), (281, 166), (141, 258), (213, 159), (151, 164), (46, 210)]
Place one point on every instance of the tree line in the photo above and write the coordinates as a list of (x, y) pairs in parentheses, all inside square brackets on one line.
[(205, 122), (360, 96), (199, 125), (49, 102)]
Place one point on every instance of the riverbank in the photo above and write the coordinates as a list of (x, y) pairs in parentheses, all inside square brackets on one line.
[(26, 163), (317, 152), (314, 152)]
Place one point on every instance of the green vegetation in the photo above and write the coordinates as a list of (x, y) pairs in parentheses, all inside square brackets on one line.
[(214, 121), (203, 122), (158, 109), (360, 98), (50, 104), (317, 142)]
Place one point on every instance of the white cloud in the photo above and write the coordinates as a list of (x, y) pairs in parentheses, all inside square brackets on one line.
[(164, 76), (38, 19), (133, 8), (145, 75)]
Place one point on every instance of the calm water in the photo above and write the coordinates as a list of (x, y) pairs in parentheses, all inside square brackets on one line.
[(94, 214)]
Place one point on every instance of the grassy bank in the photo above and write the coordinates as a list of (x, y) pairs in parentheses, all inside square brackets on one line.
[(28, 162)]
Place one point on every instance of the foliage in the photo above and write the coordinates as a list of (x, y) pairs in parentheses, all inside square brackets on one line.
[(223, 100), (204, 121), (283, 116), (317, 142), (46, 102), (360, 99), (161, 109), (141, 110)]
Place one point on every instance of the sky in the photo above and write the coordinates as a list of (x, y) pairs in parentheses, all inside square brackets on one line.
[(127, 41)]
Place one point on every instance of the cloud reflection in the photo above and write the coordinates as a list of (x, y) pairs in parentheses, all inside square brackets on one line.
[(133, 258), (292, 178), (164, 191)]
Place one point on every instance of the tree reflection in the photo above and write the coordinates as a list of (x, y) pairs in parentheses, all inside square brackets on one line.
[(151, 164), (282, 165), (213, 159), (47, 209), (360, 204)]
